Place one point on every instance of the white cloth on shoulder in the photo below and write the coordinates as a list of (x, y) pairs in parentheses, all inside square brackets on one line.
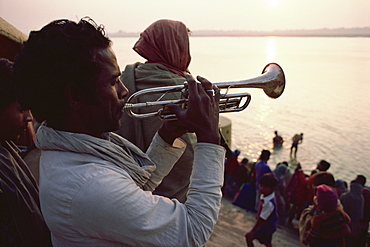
[(121, 153)]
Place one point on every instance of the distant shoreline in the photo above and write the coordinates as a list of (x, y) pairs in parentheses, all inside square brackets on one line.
[(325, 32)]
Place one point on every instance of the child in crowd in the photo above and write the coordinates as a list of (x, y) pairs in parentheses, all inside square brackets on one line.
[(266, 214), (329, 224)]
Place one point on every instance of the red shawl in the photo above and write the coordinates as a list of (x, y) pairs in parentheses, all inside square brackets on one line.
[(297, 188)]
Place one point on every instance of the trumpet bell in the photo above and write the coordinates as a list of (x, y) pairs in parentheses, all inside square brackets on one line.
[(276, 84), (272, 81)]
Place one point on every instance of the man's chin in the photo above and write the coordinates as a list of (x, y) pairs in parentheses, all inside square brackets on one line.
[(115, 126)]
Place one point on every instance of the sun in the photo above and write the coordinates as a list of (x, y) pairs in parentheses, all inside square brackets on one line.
[(274, 3)]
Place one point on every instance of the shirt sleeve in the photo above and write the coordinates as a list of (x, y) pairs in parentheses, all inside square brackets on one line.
[(164, 157), (267, 209), (112, 207)]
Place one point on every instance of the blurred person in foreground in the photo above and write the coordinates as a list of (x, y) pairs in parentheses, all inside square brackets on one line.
[(95, 186), (21, 221), (165, 46)]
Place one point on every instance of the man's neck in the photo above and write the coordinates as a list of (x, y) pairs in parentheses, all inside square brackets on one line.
[(75, 128)]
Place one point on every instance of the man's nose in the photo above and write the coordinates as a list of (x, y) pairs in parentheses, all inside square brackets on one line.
[(28, 116), (122, 90)]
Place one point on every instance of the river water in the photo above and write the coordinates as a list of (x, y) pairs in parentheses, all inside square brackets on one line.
[(326, 96)]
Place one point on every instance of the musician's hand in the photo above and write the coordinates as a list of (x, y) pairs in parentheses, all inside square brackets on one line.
[(202, 113), (170, 130)]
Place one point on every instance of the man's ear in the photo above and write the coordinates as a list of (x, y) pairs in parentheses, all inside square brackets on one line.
[(73, 96)]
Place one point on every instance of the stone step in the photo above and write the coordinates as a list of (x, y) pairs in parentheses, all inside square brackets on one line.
[(234, 222)]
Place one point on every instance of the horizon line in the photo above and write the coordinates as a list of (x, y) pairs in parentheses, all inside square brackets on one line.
[(321, 32)]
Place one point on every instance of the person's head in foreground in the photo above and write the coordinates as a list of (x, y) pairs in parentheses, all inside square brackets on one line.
[(13, 117), (68, 72)]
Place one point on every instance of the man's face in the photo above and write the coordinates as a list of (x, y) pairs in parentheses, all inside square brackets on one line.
[(14, 121), (320, 166), (104, 114)]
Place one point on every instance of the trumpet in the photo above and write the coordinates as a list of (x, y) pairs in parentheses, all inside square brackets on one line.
[(272, 81)]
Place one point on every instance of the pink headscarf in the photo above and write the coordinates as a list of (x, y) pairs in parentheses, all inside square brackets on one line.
[(327, 197), (166, 42)]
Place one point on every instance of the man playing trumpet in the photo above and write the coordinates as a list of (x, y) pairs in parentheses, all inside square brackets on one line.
[(95, 187)]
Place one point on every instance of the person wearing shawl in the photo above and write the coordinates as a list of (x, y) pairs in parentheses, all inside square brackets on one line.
[(95, 186), (341, 187), (314, 181), (297, 192), (353, 205), (280, 194), (329, 223), (165, 46), (21, 221)]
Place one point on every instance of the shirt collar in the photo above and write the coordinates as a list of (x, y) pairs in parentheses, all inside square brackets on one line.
[(269, 197)]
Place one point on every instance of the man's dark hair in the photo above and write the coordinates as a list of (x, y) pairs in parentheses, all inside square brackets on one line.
[(265, 155), (325, 165), (61, 53), (268, 180), (245, 161), (361, 179), (7, 92), (323, 178)]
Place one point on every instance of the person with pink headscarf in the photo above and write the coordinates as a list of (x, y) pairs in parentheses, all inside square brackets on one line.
[(165, 46), (329, 224)]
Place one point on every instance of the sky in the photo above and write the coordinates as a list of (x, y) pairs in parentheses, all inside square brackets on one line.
[(136, 15)]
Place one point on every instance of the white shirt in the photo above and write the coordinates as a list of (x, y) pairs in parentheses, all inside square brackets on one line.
[(267, 206), (88, 201)]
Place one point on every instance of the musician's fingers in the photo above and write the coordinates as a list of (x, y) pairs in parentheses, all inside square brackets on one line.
[(217, 92), (192, 85), (206, 85), (210, 92), (174, 109)]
